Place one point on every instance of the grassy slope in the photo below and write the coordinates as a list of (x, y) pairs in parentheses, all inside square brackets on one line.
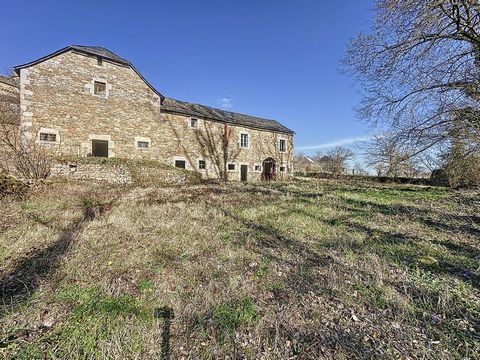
[(317, 269)]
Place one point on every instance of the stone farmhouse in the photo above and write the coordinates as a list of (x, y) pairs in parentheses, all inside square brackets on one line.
[(87, 101)]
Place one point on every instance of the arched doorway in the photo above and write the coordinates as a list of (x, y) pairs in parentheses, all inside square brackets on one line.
[(269, 170)]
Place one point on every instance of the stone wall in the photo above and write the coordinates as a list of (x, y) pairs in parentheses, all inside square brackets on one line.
[(114, 174), (122, 172), (57, 97)]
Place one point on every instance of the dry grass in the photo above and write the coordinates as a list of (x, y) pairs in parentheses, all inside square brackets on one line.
[(272, 271)]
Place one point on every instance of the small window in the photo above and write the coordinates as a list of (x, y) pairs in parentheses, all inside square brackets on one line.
[(258, 168), (143, 144), (194, 123), (231, 167), (99, 61), (48, 137), (282, 145), (202, 164), (100, 88), (244, 141), (181, 164), (282, 168)]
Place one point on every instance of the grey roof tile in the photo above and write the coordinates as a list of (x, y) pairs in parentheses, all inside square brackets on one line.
[(102, 52), (207, 112), (10, 80)]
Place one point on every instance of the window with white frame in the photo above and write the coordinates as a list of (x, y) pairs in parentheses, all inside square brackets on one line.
[(282, 145), (48, 137), (143, 145), (202, 164), (231, 167), (181, 164), (257, 168), (193, 123), (244, 141), (100, 88)]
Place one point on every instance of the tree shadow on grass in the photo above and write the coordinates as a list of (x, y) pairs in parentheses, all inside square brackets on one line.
[(303, 277), (21, 282), (468, 225)]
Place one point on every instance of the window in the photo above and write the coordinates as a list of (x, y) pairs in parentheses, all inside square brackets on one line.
[(258, 168), (194, 123), (49, 137), (282, 168), (244, 141), (282, 145), (202, 164), (181, 164), (231, 167), (99, 61), (100, 148), (100, 88), (143, 144)]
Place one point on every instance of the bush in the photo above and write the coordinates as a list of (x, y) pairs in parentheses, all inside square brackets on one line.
[(10, 186)]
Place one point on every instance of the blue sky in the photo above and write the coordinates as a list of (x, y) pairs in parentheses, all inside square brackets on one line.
[(271, 58)]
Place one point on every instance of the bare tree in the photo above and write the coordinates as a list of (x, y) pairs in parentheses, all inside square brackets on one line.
[(335, 160), (19, 155), (389, 157), (419, 69), (359, 169)]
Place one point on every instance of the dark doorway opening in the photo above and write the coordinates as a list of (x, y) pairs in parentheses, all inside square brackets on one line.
[(269, 170), (243, 172), (100, 148), (181, 164)]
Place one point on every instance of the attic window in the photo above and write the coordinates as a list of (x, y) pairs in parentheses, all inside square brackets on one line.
[(99, 61), (194, 123), (100, 88)]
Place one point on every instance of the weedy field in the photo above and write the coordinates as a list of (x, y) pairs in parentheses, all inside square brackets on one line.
[(297, 270)]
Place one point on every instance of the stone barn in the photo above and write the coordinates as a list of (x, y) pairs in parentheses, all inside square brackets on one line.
[(88, 101)]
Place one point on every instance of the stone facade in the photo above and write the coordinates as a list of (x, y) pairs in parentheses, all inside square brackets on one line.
[(57, 97)]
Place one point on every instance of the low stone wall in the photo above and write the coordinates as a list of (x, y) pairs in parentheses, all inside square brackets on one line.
[(122, 172), (115, 174)]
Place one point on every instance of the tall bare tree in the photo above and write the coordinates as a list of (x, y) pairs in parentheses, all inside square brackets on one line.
[(419, 70)]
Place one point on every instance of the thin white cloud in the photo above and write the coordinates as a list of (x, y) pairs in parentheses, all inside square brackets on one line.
[(226, 103), (340, 142)]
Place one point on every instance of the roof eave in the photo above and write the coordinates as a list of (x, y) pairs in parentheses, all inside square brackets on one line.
[(287, 131)]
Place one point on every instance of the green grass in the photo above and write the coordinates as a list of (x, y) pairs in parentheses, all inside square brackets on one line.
[(94, 318), (229, 316), (306, 269)]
